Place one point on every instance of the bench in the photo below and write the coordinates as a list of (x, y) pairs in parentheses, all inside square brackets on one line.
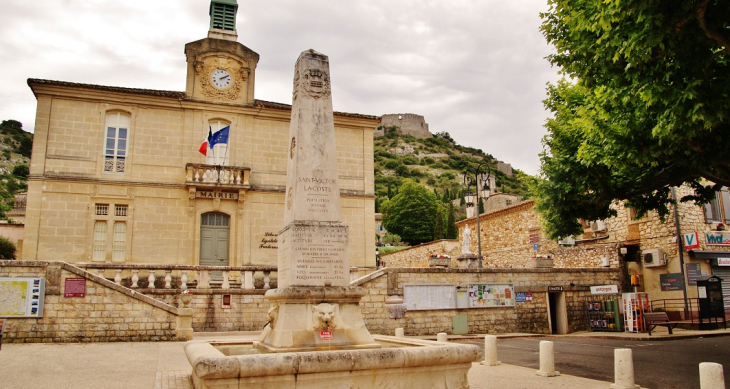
[(653, 319)]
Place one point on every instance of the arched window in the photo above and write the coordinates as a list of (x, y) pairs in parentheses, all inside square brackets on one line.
[(115, 143), (218, 155)]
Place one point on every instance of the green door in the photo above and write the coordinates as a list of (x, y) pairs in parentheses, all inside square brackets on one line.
[(214, 237)]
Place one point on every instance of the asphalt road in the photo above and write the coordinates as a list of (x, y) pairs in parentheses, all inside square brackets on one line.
[(657, 364)]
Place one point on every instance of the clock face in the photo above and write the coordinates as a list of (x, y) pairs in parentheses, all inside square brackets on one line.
[(221, 78)]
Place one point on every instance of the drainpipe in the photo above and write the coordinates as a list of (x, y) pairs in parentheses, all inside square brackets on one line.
[(680, 249)]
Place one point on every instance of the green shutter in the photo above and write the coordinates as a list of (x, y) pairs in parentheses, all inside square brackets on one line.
[(223, 14)]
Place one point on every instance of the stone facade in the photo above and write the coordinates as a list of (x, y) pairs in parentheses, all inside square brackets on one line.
[(409, 124), (108, 312), (529, 317), (164, 186), (246, 312), (417, 256)]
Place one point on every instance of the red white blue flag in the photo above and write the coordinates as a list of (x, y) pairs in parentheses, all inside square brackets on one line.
[(204, 147)]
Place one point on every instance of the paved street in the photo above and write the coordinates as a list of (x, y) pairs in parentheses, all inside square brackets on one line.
[(657, 364)]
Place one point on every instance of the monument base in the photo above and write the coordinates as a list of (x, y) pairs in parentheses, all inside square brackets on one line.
[(315, 318), (468, 261), (402, 363)]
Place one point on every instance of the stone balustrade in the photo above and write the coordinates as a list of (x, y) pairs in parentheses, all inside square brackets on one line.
[(141, 276), (202, 175)]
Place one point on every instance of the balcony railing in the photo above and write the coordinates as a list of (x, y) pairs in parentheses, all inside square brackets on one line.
[(212, 175), (183, 276)]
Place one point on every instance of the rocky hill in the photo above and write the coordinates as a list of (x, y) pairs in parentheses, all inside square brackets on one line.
[(15, 149), (438, 163)]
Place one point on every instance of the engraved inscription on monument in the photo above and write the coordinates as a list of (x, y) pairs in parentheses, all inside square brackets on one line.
[(313, 243)]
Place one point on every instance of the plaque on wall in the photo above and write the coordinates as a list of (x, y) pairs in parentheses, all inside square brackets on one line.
[(74, 287)]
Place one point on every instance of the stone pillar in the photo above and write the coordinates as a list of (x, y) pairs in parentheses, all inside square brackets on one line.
[(184, 330), (547, 360), (490, 351), (399, 333), (442, 337), (623, 369), (711, 376)]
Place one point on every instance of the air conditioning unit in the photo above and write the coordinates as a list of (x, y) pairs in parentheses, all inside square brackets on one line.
[(569, 241), (598, 225), (653, 258)]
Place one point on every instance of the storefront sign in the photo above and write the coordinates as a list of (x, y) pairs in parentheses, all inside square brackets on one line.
[(604, 289), (671, 281), (723, 261), (555, 288), (691, 241), (693, 273), (206, 194), (74, 287), (718, 238)]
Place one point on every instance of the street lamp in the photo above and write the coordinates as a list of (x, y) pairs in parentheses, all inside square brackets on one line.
[(477, 176)]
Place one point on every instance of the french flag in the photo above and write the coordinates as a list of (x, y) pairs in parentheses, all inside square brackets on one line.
[(204, 147)]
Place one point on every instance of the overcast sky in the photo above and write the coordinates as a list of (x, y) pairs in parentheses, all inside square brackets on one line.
[(473, 68)]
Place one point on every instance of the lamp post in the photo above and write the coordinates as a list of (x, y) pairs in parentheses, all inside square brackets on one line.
[(475, 176)]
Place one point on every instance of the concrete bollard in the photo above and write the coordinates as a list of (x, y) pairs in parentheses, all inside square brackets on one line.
[(547, 360), (399, 333), (490, 351), (442, 337), (711, 376), (623, 369)]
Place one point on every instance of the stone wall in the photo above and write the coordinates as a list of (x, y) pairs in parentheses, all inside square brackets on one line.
[(108, 312), (409, 124), (528, 317), (417, 256), (247, 311)]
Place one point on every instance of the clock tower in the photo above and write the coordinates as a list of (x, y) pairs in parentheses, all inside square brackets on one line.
[(220, 69)]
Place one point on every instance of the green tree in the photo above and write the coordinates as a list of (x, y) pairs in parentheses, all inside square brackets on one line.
[(21, 171), (393, 239), (438, 228), (451, 231), (7, 248), (646, 110), (411, 213)]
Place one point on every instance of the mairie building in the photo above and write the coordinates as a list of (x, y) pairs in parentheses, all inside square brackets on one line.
[(118, 174)]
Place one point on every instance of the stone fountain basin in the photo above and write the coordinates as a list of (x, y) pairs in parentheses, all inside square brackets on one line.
[(400, 363)]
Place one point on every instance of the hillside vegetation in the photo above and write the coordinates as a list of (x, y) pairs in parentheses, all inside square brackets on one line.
[(437, 163), (15, 149)]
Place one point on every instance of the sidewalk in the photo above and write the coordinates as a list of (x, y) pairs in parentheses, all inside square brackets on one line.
[(163, 365)]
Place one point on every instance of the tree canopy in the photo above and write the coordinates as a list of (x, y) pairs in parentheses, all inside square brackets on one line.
[(411, 213), (644, 107)]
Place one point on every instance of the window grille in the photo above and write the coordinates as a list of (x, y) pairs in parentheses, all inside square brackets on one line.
[(120, 210), (215, 219), (102, 209)]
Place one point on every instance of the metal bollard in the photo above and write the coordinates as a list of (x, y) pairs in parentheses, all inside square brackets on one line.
[(399, 333), (711, 376), (623, 369), (490, 351), (547, 360), (442, 337)]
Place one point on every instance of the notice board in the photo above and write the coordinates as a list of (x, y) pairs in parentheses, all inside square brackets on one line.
[(429, 296), (491, 295), (22, 296)]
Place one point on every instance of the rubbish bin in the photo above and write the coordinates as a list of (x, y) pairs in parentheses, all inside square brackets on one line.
[(709, 291)]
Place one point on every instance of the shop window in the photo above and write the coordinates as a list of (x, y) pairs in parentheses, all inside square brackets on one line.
[(115, 142)]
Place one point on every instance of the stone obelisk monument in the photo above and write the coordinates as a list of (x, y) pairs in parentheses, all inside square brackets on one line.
[(313, 307)]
